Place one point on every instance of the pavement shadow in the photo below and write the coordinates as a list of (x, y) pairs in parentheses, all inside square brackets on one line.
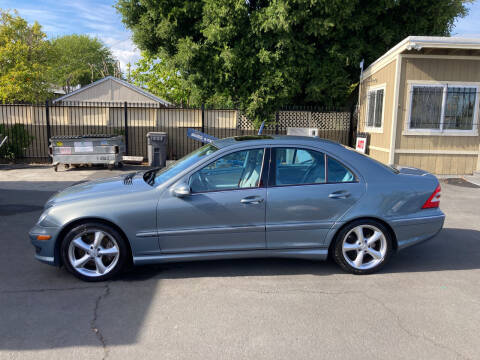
[(231, 268), (44, 307), (451, 249)]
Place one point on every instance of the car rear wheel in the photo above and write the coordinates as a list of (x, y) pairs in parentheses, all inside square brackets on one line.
[(363, 247), (94, 252)]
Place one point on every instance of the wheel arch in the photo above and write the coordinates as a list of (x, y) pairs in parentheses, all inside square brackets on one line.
[(69, 226), (381, 221)]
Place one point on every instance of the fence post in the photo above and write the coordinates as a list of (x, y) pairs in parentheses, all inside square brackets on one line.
[(203, 120), (351, 140), (125, 111), (277, 117), (203, 117), (47, 120)]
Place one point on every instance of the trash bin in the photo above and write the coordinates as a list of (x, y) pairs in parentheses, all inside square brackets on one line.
[(87, 149), (157, 148)]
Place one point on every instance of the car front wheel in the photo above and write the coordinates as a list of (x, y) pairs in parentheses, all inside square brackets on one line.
[(363, 247), (94, 252)]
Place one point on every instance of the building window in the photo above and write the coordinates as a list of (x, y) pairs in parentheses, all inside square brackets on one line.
[(443, 107), (375, 108)]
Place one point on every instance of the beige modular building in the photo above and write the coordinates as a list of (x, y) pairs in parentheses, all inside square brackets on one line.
[(111, 89), (419, 105)]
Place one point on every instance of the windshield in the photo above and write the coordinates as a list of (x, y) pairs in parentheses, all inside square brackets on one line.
[(185, 162)]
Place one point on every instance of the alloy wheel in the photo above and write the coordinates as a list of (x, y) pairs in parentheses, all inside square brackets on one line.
[(93, 253), (364, 247)]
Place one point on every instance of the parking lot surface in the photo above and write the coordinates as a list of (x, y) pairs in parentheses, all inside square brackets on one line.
[(425, 304)]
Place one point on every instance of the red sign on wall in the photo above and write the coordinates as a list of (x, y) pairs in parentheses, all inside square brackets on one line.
[(361, 144)]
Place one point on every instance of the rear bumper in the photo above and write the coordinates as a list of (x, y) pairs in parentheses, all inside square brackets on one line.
[(413, 231)]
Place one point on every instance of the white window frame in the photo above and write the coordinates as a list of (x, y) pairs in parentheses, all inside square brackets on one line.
[(442, 132), (374, 89)]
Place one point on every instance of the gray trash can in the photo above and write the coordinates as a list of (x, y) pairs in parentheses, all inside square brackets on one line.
[(157, 148)]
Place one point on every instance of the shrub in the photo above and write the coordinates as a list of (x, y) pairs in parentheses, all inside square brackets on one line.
[(18, 140)]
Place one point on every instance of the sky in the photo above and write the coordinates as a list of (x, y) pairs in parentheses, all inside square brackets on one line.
[(98, 18)]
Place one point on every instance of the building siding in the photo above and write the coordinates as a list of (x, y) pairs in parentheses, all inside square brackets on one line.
[(441, 70), (385, 75)]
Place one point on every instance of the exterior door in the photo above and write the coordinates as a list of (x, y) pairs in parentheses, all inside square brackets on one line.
[(308, 191), (225, 211)]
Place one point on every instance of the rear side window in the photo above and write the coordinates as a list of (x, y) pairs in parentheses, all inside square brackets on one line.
[(338, 173), (294, 166)]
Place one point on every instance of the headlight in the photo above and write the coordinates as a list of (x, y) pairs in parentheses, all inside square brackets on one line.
[(42, 217)]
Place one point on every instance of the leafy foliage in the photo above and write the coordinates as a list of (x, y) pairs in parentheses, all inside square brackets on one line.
[(81, 59), (259, 54), (163, 80), (24, 60), (18, 140)]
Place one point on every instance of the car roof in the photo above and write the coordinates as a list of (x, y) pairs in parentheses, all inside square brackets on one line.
[(274, 140)]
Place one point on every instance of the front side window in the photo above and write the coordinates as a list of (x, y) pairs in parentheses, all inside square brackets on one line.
[(443, 107), (295, 166), (375, 108), (178, 166), (238, 170)]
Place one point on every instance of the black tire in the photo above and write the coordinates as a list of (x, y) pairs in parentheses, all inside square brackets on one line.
[(337, 249), (89, 227)]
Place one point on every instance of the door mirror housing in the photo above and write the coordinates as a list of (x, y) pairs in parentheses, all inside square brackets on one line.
[(181, 190)]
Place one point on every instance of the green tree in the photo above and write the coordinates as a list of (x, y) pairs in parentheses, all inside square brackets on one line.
[(163, 80), (260, 54), (25, 56), (81, 60)]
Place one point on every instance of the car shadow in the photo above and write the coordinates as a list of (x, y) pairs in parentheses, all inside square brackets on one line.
[(451, 249)]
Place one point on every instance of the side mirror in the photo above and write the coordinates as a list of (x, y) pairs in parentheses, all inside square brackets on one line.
[(181, 190)]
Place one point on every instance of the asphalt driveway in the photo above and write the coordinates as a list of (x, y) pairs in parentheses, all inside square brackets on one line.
[(423, 305)]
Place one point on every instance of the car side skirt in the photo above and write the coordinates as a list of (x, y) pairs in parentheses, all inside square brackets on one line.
[(310, 254)]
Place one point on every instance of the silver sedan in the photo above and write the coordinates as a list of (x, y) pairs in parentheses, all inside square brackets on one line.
[(253, 196)]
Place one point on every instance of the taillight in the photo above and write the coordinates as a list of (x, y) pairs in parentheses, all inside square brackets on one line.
[(434, 199)]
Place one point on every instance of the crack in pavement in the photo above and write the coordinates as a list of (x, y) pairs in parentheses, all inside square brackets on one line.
[(398, 321), (93, 323)]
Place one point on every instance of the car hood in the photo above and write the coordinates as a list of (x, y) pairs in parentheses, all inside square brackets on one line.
[(100, 188)]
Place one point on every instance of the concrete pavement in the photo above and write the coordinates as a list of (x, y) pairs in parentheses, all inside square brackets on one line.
[(423, 305)]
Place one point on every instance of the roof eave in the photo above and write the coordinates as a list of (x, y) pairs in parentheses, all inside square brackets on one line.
[(418, 43)]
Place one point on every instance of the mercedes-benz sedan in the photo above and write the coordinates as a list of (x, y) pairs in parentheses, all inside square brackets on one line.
[(241, 197)]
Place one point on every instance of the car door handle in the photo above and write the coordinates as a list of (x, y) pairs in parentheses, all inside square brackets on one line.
[(339, 195), (252, 200)]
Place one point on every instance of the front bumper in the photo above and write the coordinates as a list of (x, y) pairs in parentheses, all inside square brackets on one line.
[(417, 230), (45, 249)]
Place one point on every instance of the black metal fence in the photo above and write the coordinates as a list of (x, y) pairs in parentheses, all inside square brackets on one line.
[(29, 126)]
